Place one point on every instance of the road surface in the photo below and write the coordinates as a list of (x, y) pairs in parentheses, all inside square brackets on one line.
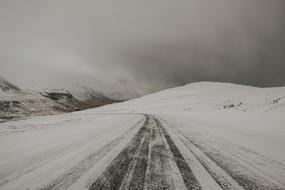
[(143, 152)]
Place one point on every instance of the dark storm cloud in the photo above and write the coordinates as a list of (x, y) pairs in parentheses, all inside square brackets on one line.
[(244, 44), (135, 47)]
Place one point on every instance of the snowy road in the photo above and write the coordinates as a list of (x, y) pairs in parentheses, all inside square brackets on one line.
[(230, 165), (127, 151)]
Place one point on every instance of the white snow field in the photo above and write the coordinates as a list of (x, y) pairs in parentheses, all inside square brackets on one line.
[(199, 136)]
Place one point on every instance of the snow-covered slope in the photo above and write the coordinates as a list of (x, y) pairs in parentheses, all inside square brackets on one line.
[(209, 96), (6, 86), (249, 116), (16, 103), (22, 104), (209, 136)]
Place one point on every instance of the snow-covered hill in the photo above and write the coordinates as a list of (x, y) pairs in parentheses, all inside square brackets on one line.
[(20, 103), (6, 86), (209, 96), (28, 103), (249, 116)]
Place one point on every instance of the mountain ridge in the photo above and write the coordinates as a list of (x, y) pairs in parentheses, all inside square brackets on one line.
[(16, 103)]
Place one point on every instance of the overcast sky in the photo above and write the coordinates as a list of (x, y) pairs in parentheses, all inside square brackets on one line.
[(140, 46)]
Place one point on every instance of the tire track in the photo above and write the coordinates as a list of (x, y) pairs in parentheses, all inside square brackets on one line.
[(152, 159), (220, 176), (223, 169), (146, 163), (135, 176), (113, 176), (188, 177), (23, 166), (76, 172), (158, 175), (72, 175)]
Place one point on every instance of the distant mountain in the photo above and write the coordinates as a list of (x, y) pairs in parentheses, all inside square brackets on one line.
[(7, 86), (17, 103), (93, 98)]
